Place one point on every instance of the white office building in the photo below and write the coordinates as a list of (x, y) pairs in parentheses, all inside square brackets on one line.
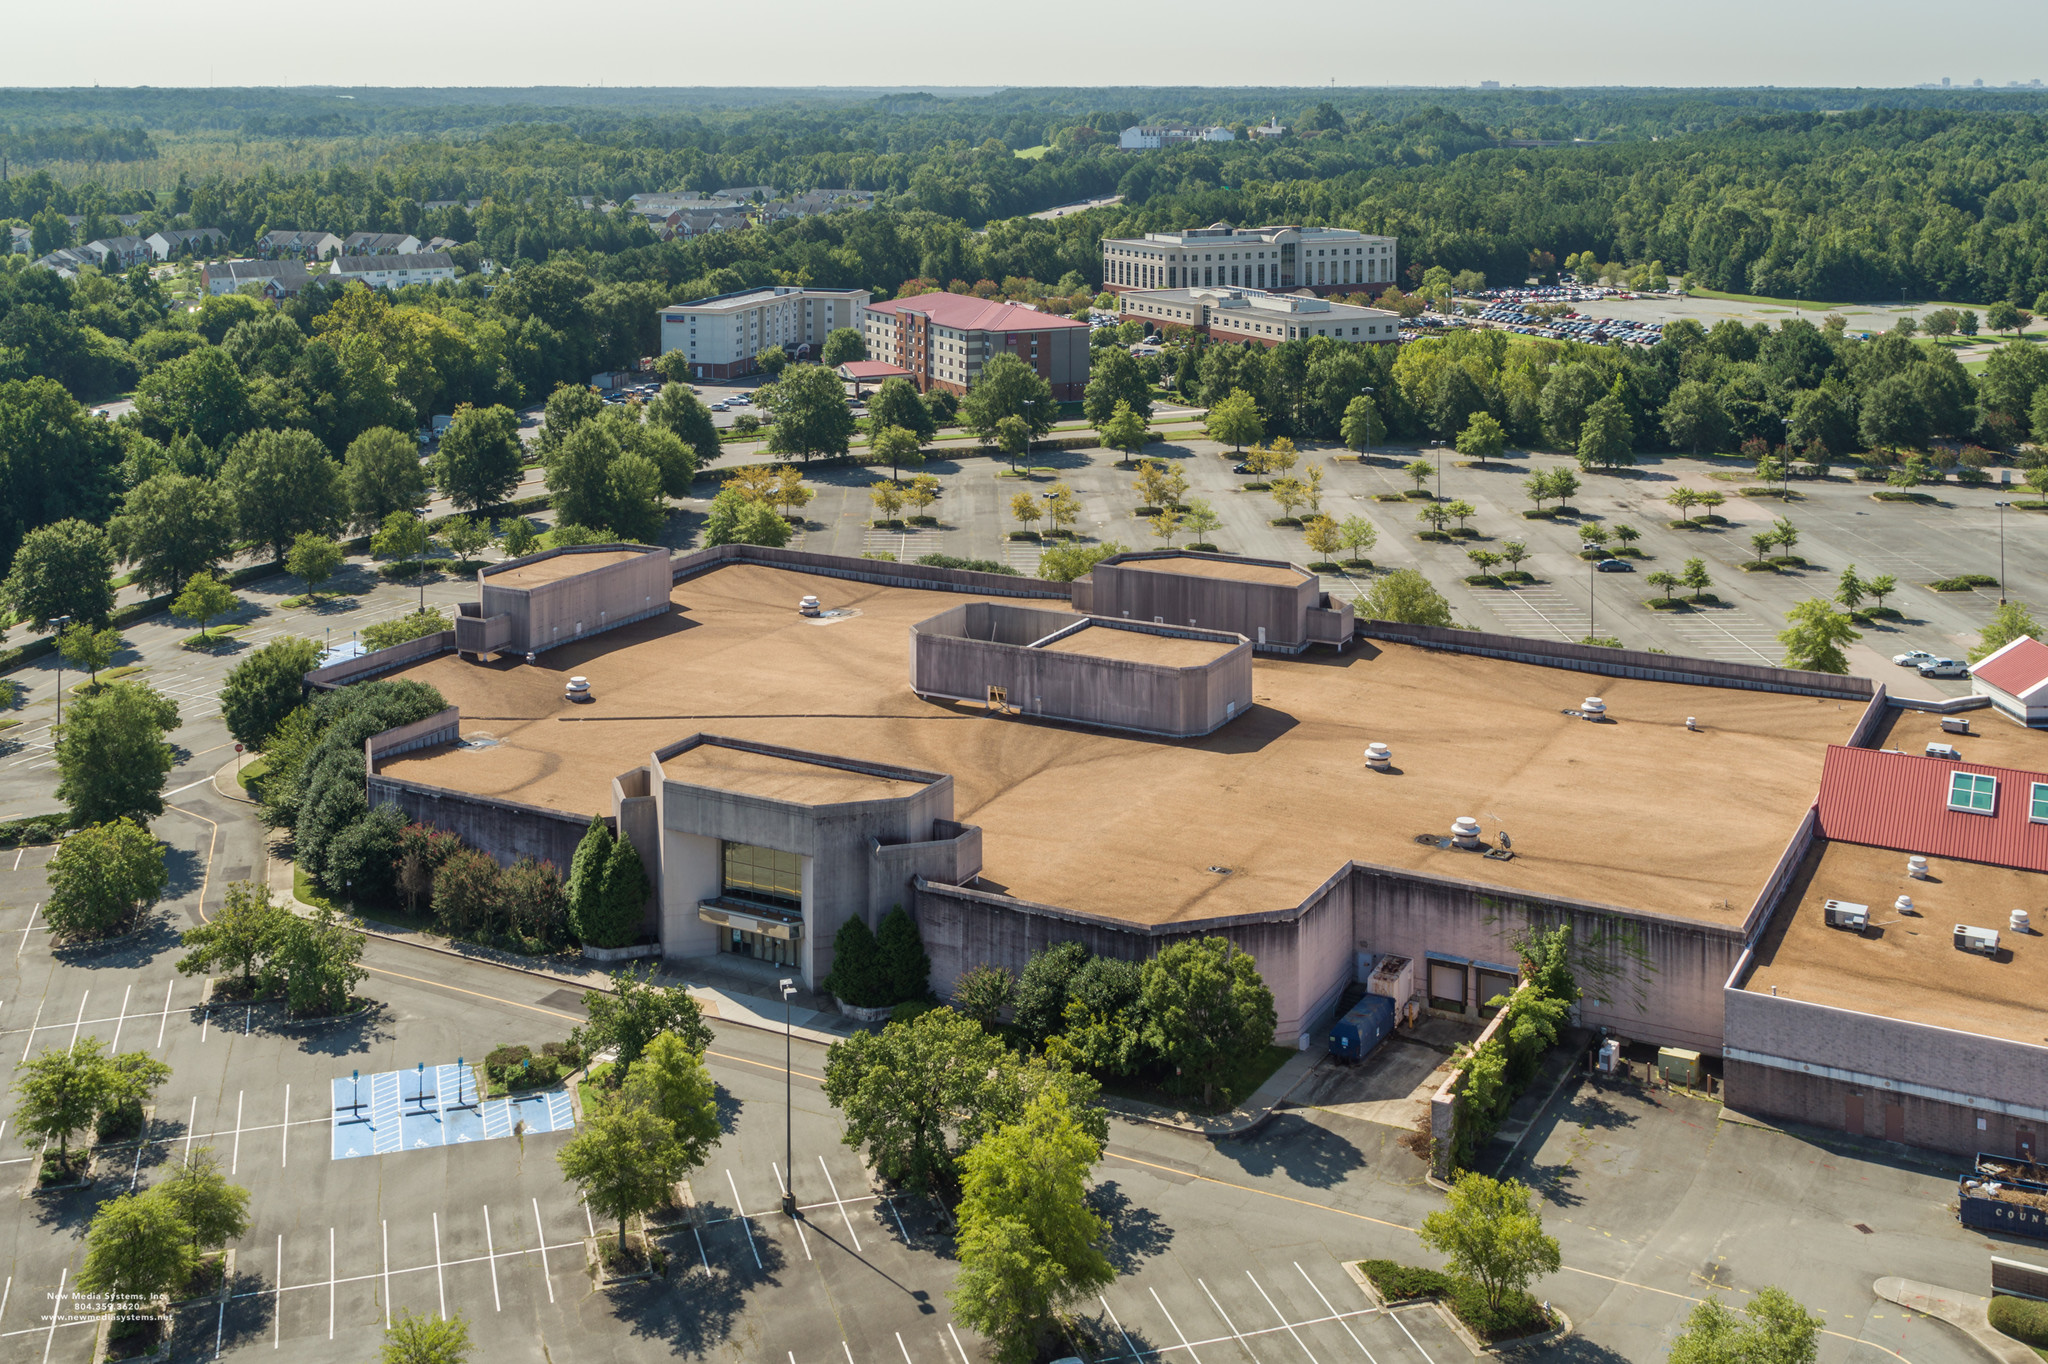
[(722, 335), (1221, 256)]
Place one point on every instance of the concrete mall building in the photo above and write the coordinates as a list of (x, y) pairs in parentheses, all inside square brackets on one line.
[(1184, 744), (1219, 255), (721, 335)]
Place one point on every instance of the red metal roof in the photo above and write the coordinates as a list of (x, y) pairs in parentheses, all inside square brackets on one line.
[(2018, 668), (970, 314), (1900, 800), (872, 369)]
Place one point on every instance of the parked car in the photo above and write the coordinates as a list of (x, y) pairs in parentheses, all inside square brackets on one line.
[(720, 407), (1242, 469), (1944, 667), (1615, 566), (1912, 658)]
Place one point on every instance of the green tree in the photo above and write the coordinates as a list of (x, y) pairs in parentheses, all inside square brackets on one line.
[(1201, 520), (204, 598), (137, 1246), (624, 1161), (670, 1081), (843, 344), (111, 754), (318, 962), (466, 536), (1684, 499), (578, 467), (60, 1089), (1892, 414), (1461, 511), (1563, 485), (314, 558), (1013, 438), (518, 537), (1064, 563), (1880, 587), (281, 483), (1815, 635), (683, 414), (1008, 387), (1062, 507), (402, 536), (1850, 589), (569, 407), (265, 687), (1512, 553), (1235, 421), (2011, 620), (736, 519), (1125, 430), (2002, 316), (171, 526), (1113, 378), (1419, 471), (902, 1091), (242, 934), (102, 877), (896, 403), (1483, 438), (477, 461), (1362, 428), (201, 395), (380, 475), (771, 360), (89, 650), (983, 993), (906, 970), (896, 447), (1694, 419), (1492, 1236), (1606, 437), (1778, 1331), (1029, 1243), (1206, 1011), (857, 977), (62, 569), (425, 1340), (637, 1011), (1694, 575), (811, 417), (214, 1210), (1436, 513), (1406, 597)]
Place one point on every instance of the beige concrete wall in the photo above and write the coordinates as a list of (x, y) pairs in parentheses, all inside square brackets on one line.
[(576, 607), (1243, 608)]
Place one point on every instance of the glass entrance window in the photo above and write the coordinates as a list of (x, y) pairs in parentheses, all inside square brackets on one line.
[(759, 946), (764, 876)]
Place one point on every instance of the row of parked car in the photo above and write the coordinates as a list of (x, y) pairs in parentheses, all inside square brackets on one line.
[(1931, 665), (1600, 331)]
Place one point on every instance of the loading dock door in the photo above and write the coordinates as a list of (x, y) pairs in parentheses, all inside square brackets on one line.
[(1446, 986)]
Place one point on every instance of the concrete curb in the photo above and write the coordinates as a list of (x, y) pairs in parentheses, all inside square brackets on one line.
[(1964, 1311), (1241, 1121)]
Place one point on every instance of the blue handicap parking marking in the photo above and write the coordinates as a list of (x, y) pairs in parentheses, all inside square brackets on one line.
[(429, 1106)]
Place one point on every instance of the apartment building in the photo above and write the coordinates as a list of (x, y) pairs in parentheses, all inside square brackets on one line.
[(944, 339), (1222, 256), (1258, 316), (393, 272), (722, 335), (1150, 138)]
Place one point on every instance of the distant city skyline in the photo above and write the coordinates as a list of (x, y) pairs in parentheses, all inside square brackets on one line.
[(1880, 44)]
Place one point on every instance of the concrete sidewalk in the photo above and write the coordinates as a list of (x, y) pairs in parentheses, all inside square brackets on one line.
[(1241, 1121), (1964, 1311)]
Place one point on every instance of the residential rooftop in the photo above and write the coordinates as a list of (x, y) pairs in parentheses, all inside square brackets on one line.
[(1640, 813), (970, 314), (1908, 967)]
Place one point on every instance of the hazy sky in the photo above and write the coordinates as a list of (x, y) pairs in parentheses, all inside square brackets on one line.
[(1048, 42)]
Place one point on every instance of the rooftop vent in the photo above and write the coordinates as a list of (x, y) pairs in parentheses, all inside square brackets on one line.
[(1593, 708), (1465, 832), (1378, 757), (2019, 923), (1904, 905), (1846, 914), (1982, 941), (1916, 867), (578, 689)]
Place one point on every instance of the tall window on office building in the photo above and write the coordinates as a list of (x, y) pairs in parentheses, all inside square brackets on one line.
[(764, 876)]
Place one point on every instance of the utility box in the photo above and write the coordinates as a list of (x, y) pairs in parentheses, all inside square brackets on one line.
[(1393, 977), (1679, 1067)]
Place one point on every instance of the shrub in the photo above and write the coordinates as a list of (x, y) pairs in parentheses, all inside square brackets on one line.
[(1395, 1281), (469, 893), (404, 629), (625, 897), (973, 565), (911, 1008), (857, 977), (2022, 1319), (517, 1067), (536, 901), (906, 970), (363, 857)]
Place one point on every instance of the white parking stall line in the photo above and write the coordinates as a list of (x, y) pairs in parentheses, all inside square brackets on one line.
[(1333, 1312), (39, 1012), (1109, 1312), (277, 1301), (799, 1217), (164, 1020), (115, 1045), (55, 1315), (1184, 1342), (235, 1161), (1228, 1322), (834, 1185), (542, 1237), (905, 1348), (440, 1278), (284, 1148), (386, 1227), (1283, 1319), (1395, 1317), (330, 1283), (491, 1246), (76, 1023), (743, 1218)]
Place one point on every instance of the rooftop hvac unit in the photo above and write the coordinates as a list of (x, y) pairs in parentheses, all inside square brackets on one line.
[(1982, 941), (1846, 914), (1949, 751)]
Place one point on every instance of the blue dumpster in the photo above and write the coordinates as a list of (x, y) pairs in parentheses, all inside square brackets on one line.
[(1353, 1036)]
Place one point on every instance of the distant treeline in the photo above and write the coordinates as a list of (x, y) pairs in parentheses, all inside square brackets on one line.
[(89, 142)]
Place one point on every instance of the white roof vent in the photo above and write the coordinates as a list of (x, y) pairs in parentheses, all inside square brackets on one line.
[(2019, 923), (1593, 708), (1916, 867), (1982, 941), (1846, 914), (1378, 757), (1904, 905), (1465, 831)]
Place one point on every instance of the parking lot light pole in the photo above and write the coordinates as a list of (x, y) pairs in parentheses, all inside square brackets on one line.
[(2001, 549), (1592, 579), (788, 1104), (57, 624), (1366, 394)]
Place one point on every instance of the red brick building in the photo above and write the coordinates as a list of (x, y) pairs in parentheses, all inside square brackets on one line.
[(943, 340)]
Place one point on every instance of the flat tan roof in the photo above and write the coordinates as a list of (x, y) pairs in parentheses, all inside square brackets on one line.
[(1908, 968), (1992, 740), (1218, 568), (1638, 813), (779, 778), (1137, 646), (559, 567)]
